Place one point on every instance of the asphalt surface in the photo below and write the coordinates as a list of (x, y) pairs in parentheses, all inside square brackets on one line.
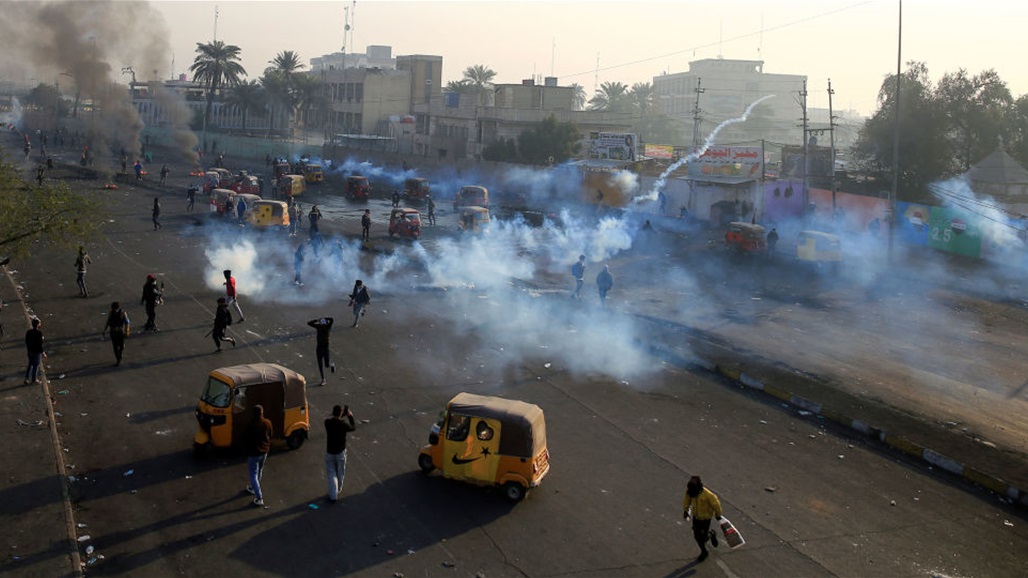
[(810, 498)]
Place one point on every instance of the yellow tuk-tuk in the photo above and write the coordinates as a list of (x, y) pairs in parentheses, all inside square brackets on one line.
[(220, 198), (473, 219), (264, 214), (489, 441), (224, 409), (313, 173), (290, 186), (471, 196), (745, 238), (818, 247)]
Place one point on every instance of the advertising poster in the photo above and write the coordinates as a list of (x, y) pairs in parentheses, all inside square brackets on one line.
[(618, 146)]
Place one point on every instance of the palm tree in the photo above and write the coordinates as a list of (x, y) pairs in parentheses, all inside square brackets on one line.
[(285, 65), (579, 96), (611, 97), (641, 98), (460, 87), (276, 87), (216, 64), (309, 93), (479, 76), (249, 96)]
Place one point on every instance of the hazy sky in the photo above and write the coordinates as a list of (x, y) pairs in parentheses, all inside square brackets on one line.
[(851, 42)]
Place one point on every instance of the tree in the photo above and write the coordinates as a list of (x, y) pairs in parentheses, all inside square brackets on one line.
[(924, 151), (288, 63), (249, 96), (310, 93), (278, 92), (216, 64), (975, 109), (611, 97), (640, 98), (1016, 135), (479, 76), (45, 98), (51, 213), (549, 140), (280, 82), (501, 150), (579, 96), (460, 87)]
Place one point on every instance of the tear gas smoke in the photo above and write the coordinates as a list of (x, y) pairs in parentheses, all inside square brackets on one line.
[(14, 116), (83, 39), (993, 220), (178, 115), (662, 179)]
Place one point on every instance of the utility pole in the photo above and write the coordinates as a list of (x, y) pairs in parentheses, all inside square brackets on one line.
[(831, 137), (696, 113), (896, 131), (806, 163)]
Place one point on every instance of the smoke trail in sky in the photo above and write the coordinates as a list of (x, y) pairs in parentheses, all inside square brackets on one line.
[(662, 179)]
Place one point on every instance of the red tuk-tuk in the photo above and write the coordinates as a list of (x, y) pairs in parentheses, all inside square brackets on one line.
[(745, 238), (416, 189), (246, 184), (357, 188), (405, 223)]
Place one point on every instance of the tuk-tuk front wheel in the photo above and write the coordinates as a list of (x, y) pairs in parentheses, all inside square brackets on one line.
[(425, 463), (514, 491), (296, 439), (199, 450)]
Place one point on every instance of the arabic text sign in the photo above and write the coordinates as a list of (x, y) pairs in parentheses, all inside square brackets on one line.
[(655, 151), (618, 146), (727, 161)]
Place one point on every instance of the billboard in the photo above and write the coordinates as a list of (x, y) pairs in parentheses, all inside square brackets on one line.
[(617, 146), (727, 161), (655, 151)]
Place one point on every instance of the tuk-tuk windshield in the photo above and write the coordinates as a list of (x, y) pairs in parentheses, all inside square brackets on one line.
[(217, 393)]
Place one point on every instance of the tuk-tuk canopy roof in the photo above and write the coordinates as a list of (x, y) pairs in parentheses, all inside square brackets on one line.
[(404, 211), (223, 192), (749, 227), (523, 430), (819, 235), (419, 180), (248, 198), (474, 209), (260, 201), (475, 188), (357, 178), (256, 373)]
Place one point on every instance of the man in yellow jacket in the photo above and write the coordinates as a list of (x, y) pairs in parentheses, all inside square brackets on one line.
[(704, 505)]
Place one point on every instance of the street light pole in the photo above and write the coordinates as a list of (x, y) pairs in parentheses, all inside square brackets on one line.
[(896, 132)]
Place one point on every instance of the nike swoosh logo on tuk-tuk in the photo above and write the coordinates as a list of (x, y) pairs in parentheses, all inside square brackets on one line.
[(460, 461)]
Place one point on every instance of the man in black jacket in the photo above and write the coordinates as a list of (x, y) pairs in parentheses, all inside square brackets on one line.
[(151, 298), (34, 347), (359, 299), (324, 327), (335, 450)]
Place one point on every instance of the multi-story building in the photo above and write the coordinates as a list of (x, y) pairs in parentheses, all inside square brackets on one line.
[(362, 100), (726, 88), (375, 57)]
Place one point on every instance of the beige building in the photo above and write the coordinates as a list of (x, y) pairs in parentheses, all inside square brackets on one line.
[(729, 86), (459, 126), (361, 100)]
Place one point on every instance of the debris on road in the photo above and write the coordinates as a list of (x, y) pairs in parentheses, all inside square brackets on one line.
[(128, 473)]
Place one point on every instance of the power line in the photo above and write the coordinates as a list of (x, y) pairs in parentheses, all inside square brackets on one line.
[(710, 44)]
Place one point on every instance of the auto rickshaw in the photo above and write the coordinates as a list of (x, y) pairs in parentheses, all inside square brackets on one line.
[(745, 238), (220, 199), (281, 168), (225, 179), (248, 199), (405, 223), (313, 173), (473, 219), (211, 179), (416, 189), (246, 184), (265, 214), (817, 247), (290, 186), (489, 441), (357, 188), (224, 409), (471, 196)]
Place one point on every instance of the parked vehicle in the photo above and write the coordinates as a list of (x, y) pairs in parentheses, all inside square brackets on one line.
[(471, 196), (357, 188), (220, 199), (225, 179), (489, 441), (313, 173), (211, 179), (473, 219), (405, 223), (290, 186), (819, 248), (265, 214), (224, 409), (745, 238), (246, 184), (416, 189)]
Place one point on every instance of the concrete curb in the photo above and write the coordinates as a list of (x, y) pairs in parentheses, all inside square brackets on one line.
[(933, 458)]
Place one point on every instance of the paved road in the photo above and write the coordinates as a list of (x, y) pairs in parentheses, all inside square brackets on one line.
[(809, 500)]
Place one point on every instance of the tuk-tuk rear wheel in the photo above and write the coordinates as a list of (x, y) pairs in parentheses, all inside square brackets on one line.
[(199, 450), (296, 439), (514, 491), (425, 463)]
